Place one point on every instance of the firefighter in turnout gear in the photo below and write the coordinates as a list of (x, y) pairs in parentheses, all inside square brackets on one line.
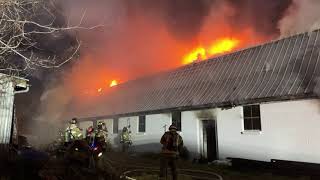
[(102, 134), (73, 132), (172, 142), (125, 139), (76, 147), (90, 134)]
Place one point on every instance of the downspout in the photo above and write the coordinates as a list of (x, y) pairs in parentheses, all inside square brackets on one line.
[(13, 124)]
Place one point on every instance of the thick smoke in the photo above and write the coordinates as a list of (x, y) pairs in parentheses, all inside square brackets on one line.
[(182, 18), (301, 16), (263, 16), (142, 37)]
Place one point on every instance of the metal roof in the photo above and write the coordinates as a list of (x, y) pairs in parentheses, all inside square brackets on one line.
[(283, 69)]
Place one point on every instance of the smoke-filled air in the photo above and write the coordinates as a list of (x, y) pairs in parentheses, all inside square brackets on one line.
[(143, 37)]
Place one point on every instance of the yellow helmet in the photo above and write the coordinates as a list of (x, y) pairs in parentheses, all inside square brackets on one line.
[(101, 123), (74, 121)]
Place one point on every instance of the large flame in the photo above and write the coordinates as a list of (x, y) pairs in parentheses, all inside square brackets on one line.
[(219, 46), (196, 54), (113, 83), (223, 45)]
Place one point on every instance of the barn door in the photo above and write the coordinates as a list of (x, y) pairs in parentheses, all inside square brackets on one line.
[(210, 139)]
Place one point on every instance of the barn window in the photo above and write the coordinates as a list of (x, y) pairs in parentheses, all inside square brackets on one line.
[(142, 123), (115, 125), (251, 117), (176, 119)]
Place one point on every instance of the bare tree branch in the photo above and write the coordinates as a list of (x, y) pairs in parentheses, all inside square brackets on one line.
[(31, 34)]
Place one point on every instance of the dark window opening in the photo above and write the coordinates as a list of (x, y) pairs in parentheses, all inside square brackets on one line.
[(115, 125), (176, 119), (142, 123), (251, 117)]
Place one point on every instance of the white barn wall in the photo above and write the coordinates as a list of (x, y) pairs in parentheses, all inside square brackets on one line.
[(190, 132), (84, 125), (126, 121), (156, 125), (148, 141), (290, 131)]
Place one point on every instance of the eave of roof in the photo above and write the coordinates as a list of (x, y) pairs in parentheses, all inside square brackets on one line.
[(226, 105)]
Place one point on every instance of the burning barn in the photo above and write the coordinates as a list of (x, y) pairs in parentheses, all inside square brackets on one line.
[(259, 103)]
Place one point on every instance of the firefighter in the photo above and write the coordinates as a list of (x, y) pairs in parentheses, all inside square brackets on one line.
[(102, 131), (171, 143), (125, 139), (90, 134), (73, 132), (77, 149), (102, 134)]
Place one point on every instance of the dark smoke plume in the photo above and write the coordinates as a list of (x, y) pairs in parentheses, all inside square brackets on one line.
[(262, 15), (183, 18)]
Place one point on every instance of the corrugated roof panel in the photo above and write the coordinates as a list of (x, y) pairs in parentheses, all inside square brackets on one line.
[(231, 76), (307, 67), (289, 66), (217, 66), (302, 63), (253, 77), (218, 79), (296, 66), (242, 74), (280, 70), (316, 72), (267, 70), (243, 88), (275, 66)]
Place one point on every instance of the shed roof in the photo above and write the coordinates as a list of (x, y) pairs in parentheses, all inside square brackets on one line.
[(284, 69)]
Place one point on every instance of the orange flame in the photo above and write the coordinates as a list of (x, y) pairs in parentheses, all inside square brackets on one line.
[(220, 46), (223, 46), (113, 83), (196, 54)]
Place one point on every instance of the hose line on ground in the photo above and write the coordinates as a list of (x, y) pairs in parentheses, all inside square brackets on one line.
[(155, 169)]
